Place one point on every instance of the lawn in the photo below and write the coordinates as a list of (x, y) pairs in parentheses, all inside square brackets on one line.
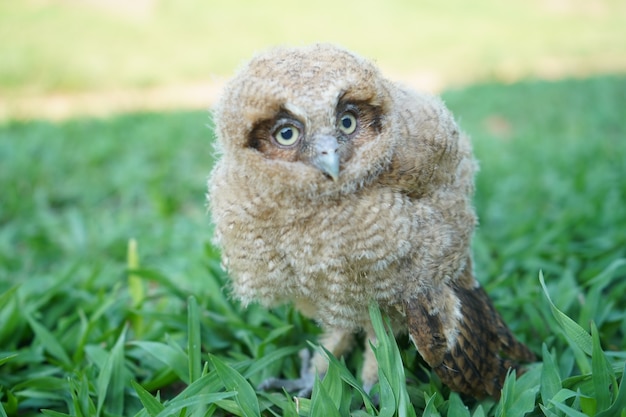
[(112, 301)]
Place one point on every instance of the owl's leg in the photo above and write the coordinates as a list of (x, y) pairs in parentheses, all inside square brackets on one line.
[(336, 342), (369, 372), (303, 385)]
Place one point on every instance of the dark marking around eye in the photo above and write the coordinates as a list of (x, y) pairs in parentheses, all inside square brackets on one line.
[(263, 137), (367, 116), (253, 143), (259, 134)]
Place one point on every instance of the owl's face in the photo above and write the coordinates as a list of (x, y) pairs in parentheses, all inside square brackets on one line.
[(317, 117), (327, 147)]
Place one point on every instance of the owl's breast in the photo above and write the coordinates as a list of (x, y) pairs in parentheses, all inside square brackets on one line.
[(334, 254), (371, 251)]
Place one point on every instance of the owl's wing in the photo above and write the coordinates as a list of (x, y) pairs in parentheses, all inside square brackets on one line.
[(431, 152), (473, 358)]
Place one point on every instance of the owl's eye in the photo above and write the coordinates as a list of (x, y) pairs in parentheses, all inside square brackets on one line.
[(348, 123), (287, 135)]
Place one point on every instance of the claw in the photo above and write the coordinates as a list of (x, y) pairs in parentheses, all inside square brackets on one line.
[(303, 385)]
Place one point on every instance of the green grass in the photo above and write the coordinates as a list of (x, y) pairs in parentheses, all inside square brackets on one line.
[(91, 324)]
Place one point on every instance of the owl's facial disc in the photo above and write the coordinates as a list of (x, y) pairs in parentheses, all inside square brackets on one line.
[(326, 155)]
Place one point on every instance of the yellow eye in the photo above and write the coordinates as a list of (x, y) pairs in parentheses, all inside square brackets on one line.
[(348, 123), (287, 135)]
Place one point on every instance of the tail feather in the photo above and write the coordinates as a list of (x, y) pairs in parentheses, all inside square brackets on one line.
[(484, 349)]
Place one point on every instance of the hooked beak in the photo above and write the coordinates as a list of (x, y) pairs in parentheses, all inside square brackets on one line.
[(326, 157)]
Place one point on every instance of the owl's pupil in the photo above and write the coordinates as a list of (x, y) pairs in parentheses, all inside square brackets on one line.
[(346, 122), (286, 133)]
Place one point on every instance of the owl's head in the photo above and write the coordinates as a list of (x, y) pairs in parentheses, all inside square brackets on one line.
[(314, 117)]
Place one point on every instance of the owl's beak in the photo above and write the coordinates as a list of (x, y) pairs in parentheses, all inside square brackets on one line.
[(326, 157)]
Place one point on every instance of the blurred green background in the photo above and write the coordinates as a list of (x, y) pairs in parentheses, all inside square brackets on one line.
[(64, 57)]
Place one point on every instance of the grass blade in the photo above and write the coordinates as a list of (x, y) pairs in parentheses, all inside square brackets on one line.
[(135, 283), (51, 413), (431, 409), (457, 408), (348, 378), (390, 364), (602, 373), (9, 313), (151, 404), (572, 330), (169, 356), (550, 378), (506, 398), (570, 412), (48, 341), (199, 400), (80, 394), (388, 403), (8, 294), (479, 412), (619, 405), (336, 389), (193, 340), (110, 383), (524, 403), (209, 382), (604, 277), (233, 381), (518, 395), (321, 402), (547, 412), (135, 287), (7, 358), (260, 364)]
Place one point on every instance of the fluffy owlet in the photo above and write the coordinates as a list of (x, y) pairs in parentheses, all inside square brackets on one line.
[(336, 187)]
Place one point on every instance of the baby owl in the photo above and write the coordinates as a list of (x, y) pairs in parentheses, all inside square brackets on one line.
[(335, 188)]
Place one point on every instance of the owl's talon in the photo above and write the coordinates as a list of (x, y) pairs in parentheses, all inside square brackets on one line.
[(303, 385)]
